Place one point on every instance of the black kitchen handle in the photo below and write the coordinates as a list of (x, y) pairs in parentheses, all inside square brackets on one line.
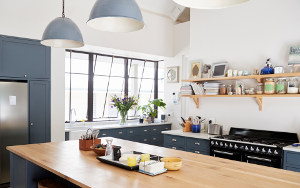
[(183, 120)]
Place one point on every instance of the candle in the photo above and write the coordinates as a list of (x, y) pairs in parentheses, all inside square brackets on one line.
[(145, 157), (131, 161)]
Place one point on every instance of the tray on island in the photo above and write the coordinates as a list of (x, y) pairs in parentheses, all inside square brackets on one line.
[(124, 164)]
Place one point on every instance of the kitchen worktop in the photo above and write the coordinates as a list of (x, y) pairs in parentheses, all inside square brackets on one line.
[(188, 134), (292, 148), (110, 126), (83, 169)]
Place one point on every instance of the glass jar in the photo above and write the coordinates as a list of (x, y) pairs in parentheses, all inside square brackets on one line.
[(293, 85), (281, 86), (229, 89), (269, 86), (109, 150), (223, 90), (290, 69), (259, 88)]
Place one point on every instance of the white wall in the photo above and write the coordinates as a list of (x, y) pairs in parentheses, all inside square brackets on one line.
[(29, 18), (181, 49), (245, 36)]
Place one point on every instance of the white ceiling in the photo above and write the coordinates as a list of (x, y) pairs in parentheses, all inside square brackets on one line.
[(164, 7)]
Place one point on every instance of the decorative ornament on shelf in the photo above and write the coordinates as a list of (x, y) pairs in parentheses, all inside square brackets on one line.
[(209, 4), (116, 16), (123, 105), (196, 68), (173, 74), (62, 32)]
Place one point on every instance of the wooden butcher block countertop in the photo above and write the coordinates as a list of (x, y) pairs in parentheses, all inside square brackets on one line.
[(83, 169)]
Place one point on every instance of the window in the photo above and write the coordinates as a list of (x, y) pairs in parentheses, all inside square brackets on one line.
[(91, 80)]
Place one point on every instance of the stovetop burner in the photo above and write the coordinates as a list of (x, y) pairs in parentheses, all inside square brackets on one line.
[(258, 140)]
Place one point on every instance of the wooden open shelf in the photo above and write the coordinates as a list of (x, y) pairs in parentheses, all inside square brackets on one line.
[(256, 77), (259, 98)]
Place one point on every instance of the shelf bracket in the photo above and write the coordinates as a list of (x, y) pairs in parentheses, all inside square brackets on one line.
[(259, 80), (196, 100), (260, 102)]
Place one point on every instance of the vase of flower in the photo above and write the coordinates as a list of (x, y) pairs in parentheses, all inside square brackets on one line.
[(123, 105)]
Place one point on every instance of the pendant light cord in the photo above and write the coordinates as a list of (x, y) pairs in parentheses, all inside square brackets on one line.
[(63, 11)]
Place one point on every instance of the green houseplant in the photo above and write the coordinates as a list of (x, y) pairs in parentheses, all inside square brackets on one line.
[(123, 105), (150, 110)]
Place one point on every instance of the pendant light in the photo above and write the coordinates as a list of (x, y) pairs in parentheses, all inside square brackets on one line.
[(62, 32), (116, 16), (209, 4)]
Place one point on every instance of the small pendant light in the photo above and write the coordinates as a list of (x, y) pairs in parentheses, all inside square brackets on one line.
[(116, 16), (62, 32), (209, 4)]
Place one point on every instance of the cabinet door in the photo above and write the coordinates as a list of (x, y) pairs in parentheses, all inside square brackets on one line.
[(21, 58), (39, 109)]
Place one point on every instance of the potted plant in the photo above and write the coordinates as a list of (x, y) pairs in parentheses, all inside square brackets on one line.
[(123, 106), (150, 110)]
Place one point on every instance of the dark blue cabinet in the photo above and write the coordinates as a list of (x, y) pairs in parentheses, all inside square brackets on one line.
[(24, 58), (39, 110), (291, 161)]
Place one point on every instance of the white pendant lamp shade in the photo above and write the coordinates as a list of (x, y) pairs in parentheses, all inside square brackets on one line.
[(62, 33), (209, 4), (116, 16)]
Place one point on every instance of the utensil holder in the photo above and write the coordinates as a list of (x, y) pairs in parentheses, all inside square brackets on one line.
[(187, 127), (86, 144)]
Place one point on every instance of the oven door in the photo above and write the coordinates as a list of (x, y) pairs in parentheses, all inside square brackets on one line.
[(263, 160), (227, 154)]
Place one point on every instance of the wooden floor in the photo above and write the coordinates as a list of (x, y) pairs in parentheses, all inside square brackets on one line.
[(82, 168)]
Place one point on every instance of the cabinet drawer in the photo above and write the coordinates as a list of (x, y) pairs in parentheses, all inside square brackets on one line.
[(159, 128), (174, 140), (142, 139), (144, 130), (293, 169), (198, 144), (160, 144), (292, 158), (119, 133), (175, 147), (105, 132), (131, 132), (157, 138), (203, 152)]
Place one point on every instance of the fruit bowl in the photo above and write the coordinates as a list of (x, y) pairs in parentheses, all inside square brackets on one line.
[(100, 152), (172, 163)]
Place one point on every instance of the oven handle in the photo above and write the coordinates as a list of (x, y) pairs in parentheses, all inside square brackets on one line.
[(223, 152), (258, 158)]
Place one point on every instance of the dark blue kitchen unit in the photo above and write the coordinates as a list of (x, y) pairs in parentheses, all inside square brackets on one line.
[(291, 161), (146, 134), (194, 145)]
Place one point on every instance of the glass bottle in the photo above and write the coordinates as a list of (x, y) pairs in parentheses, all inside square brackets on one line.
[(259, 89), (269, 86), (293, 86), (229, 89), (223, 90), (109, 149), (281, 86), (290, 69)]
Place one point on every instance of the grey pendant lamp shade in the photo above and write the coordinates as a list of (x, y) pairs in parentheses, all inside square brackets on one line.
[(209, 4), (116, 16), (62, 33)]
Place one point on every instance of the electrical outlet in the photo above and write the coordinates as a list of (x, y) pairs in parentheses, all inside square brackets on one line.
[(213, 120), (171, 114)]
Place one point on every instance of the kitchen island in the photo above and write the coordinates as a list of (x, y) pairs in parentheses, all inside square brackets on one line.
[(31, 163)]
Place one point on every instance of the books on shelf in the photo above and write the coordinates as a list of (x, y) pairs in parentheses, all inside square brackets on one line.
[(198, 88), (186, 90), (212, 88)]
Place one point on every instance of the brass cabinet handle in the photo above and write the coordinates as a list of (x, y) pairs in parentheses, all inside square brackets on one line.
[(154, 129), (174, 140), (173, 147), (131, 131), (197, 152), (120, 132), (31, 124), (154, 138), (145, 130), (197, 143), (167, 128), (145, 140), (104, 134)]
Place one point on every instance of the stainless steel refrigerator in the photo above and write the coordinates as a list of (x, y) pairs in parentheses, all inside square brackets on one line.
[(13, 121)]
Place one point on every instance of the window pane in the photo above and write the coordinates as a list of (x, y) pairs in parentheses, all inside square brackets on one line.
[(118, 67), (103, 65), (160, 95), (116, 86), (67, 96), (79, 94), (136, 69), (79, 63)]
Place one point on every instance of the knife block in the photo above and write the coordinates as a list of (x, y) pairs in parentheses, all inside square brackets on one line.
[(187, 127), (86, 144)]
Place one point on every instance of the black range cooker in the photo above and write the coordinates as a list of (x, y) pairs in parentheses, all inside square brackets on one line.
[(252, 146)]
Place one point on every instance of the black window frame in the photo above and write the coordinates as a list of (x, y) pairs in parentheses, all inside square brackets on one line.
[(127, 62)]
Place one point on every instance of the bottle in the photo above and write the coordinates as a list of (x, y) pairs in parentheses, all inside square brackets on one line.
[(109, 149), (268, 69)]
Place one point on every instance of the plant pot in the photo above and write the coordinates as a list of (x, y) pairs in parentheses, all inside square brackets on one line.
[(150, 119), (141, 120)]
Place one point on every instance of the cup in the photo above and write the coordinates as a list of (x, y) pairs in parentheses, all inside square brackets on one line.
[(240, 73), (131, 161), (145, 157), (234, 73)]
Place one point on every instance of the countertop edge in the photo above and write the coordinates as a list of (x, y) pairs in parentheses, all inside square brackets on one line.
[(291, 148), (205, 136)]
